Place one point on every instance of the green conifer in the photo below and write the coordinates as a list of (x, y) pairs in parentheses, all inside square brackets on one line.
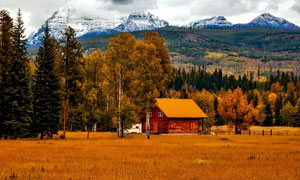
[(47, 102)]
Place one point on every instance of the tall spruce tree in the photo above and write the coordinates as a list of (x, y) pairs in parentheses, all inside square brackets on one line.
[(277, 108), (73, 77), (6, 51), (17, 110), (47, 102), (269, 116)]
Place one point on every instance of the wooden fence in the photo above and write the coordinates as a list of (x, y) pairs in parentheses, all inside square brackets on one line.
[(270, 132)]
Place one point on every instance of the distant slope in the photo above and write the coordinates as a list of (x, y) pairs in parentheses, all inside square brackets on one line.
[(192, 44)]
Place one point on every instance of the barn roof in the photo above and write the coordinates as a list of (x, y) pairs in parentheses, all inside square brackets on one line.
[(180, 108)]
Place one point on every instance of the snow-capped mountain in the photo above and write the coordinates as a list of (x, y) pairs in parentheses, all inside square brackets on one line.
[(92, 26), (267, 20), (137, 21), (214, 22), (142, 21)]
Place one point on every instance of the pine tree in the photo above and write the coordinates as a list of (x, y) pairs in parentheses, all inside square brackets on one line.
[(277, 108), (17, 89), (219, 120), (269, 116), (71, 69), (6, 51), (47, 102)]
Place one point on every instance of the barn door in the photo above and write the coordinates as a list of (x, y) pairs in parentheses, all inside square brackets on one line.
[(155, 129)]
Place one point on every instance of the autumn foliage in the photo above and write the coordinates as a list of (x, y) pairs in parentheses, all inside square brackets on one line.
[(236, 110)]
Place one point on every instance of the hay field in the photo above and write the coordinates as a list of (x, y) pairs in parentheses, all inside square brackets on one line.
[(103, 156)]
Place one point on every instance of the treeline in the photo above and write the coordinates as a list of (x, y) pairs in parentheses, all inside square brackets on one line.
[(273, 102), (198, 78), (62, 90)]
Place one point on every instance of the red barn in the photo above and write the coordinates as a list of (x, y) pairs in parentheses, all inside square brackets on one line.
[(174, 116)]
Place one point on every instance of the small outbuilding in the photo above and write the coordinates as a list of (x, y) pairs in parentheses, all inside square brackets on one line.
[(174, 116)]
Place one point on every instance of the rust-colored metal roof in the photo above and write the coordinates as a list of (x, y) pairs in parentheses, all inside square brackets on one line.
[(180, 108)]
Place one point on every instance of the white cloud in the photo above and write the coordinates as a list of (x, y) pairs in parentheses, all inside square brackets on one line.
[(36, 12)]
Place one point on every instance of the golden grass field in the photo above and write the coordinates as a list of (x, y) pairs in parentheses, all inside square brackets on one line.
[(104, 156)]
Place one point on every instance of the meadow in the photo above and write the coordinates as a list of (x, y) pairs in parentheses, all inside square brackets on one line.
[(104, 156)]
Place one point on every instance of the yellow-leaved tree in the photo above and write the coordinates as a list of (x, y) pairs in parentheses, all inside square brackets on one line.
[(235, 109), (205, 101), (145, 79), (94, 89), (161, 53), (119, 63)]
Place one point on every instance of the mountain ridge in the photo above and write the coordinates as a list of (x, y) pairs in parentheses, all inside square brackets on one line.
[(86, 27), (265, 20), (92, 26)]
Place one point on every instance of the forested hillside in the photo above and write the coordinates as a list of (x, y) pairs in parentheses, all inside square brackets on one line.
[(237, 51)]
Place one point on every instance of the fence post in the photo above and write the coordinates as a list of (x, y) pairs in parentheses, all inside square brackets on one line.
[(249, 132), (263, 132), (271, 132)]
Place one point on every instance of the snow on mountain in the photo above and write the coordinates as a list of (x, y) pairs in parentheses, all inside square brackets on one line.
[(66, 16), (142, 21), (92, 26), (267, 20), (214, 22)]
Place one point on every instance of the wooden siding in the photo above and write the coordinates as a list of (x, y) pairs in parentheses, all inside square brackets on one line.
[(171, 125), (157, 124), (183, 125)]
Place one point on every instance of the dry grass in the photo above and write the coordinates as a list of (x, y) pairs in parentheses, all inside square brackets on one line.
[(162, 157)]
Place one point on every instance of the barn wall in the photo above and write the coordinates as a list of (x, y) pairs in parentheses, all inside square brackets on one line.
[(173, 125), (183, 125), (157, 124)]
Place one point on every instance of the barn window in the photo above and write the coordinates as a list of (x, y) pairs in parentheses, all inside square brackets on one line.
[(172, 125), (193, 126), (150, 114), (160, 114)]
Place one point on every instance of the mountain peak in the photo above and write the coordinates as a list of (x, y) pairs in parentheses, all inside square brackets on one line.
[(268, 20), (143, 20), (267, 15), (92, 26), (214, 22)]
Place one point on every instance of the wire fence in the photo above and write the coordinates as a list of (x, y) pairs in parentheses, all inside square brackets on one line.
[(260, 132)]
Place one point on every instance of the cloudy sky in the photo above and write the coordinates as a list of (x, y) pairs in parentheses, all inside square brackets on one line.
[(177, 12)]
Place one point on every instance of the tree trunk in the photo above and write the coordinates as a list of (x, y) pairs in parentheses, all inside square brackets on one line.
[(202, 126), (236, 128), (42, 135), (88, 130), (147, 126), (121, 132), (65, 117)]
